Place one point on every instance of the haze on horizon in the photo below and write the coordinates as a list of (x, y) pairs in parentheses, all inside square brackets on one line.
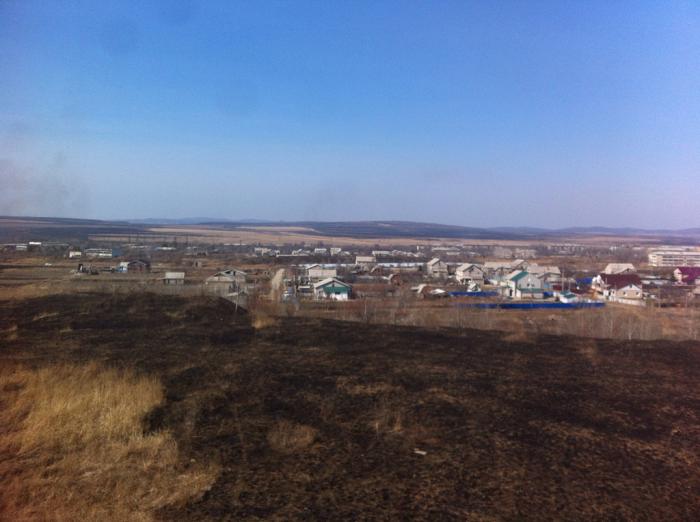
[(549, 114)]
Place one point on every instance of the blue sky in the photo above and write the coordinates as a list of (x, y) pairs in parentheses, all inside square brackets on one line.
[(475, 113)]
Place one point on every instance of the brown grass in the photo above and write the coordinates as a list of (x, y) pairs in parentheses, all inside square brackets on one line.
[(289, 437), (387, 418), (351, 387), (73, 447)]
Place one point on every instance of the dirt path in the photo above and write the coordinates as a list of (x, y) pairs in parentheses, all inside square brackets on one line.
[(276, 284)]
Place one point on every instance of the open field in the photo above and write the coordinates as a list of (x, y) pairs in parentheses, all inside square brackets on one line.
[(304, 418)]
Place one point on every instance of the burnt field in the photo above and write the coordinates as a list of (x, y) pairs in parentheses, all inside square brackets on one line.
[(318, 419)]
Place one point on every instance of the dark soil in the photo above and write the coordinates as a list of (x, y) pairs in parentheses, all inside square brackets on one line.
[(559, 428)]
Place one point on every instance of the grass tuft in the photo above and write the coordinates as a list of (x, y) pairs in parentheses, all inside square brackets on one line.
[(74, 447)]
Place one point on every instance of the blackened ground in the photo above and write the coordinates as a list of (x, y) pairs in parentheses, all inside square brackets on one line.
[(557, 428)]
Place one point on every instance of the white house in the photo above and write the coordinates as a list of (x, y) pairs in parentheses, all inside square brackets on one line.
[(332, 289), (470, 273), (524, 285), (620, 288)]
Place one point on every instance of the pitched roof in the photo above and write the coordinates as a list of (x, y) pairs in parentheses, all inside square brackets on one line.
[(497, 264), (467, 266), (689, 273), (433, 261), (616, 268), (543, 269), (620, 280), (518, 276), (328, 281)]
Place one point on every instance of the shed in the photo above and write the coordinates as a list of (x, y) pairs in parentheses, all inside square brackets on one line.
[(174, 278)]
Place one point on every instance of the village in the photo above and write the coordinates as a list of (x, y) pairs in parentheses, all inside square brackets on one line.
[(535, 276)]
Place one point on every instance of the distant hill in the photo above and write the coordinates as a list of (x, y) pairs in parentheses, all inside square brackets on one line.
[(191, 221), (14, 228)]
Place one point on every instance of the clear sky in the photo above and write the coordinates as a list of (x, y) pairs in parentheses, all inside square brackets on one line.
[(474, 113)]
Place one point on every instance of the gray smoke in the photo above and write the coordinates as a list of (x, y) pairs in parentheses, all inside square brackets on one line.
[(45, 190)]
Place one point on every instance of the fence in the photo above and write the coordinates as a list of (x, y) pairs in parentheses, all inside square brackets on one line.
[(530, 306), (485, 293)]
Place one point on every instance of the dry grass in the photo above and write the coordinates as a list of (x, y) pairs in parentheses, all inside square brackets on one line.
[(387, 418), (352, 387), (73, 447), (289, 437)]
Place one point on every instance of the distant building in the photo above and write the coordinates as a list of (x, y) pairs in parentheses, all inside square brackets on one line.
[(72, 254), (499, 251), (336, 251), (226, 282), (320, 251), (619, 268), (365, 261), (136, 265), (103, 253), (669, 258), (526, 253), (319, 272), (174, 278)]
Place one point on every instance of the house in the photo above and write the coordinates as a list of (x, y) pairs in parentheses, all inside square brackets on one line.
[(72, 254), (174, 278), (332, 289), (619, 288), (469, 273), (619, 268), (436, 268), (226, 282), (524, 285), (497, 271), (320, 251), (551, 275), (336, 251), (319, 272), (688, 275), (136, 265)]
